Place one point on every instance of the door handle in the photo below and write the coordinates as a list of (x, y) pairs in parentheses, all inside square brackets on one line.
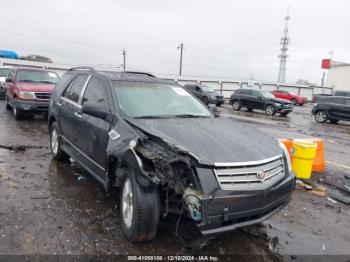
[(77, 114)]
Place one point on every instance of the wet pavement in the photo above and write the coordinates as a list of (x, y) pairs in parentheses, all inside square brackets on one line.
[(49, 208)]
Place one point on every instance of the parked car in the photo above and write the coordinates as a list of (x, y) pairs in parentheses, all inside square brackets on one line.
[(167, 153), (4, 71), (295, 99), (29, 90), (342, 93), (38, 58), (332, 108), (315, 97), (8, 54), (261, 100), (206, 94)]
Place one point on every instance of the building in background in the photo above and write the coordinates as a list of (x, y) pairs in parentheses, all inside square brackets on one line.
[(339, 76)]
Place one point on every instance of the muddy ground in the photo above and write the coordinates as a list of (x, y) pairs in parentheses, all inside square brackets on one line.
[(50, 208)]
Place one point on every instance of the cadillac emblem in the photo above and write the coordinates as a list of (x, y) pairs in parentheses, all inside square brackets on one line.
[(261, 175)]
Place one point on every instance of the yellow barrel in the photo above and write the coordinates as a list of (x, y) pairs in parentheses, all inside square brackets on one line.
[(304, 152)]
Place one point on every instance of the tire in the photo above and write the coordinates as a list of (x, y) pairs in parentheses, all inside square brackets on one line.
[(250, 109), (205, 100), (55, 145), (218, 104), (236, 105), (321, 116), (270, 110), (17, 112), (141, 223), (334, 121), (284, 115), (294, 101), (8, 107)]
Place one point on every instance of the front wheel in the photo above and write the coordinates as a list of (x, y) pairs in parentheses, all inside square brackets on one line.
[(55, 144), (236, 105), (321, 116), (17, 112), (139, 208), (270, 110)]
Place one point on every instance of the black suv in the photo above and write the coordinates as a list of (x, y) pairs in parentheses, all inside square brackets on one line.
[(332, 108), (261, 100), (167, 153), (206, 94)]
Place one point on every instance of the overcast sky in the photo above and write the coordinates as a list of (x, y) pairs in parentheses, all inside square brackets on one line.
[(231, 38)]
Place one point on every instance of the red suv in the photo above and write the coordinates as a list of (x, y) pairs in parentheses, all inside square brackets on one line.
[(29, 90), (297, 100)]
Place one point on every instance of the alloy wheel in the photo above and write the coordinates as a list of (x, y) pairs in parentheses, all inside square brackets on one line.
[(127, 203), (54, 141), (321, 116)]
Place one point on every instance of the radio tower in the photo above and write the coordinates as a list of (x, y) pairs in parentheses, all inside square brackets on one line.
[(284, 47)]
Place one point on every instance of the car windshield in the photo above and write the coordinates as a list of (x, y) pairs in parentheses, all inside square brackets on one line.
[(267, 94), (37, 76), (4, 72), (208, 89), (152, 100)]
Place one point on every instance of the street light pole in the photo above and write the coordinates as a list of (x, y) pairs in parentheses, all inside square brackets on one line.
[(181, 47)]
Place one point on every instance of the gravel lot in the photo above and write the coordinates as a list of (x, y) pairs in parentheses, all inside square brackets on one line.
[(53, 208)]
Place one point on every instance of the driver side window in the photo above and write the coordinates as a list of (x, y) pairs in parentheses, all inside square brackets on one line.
[(96, 93)]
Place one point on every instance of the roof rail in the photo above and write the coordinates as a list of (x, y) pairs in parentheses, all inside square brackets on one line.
[(139, 73), (82, 68)]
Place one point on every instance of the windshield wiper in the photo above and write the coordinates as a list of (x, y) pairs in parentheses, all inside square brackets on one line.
[(26, 80), (46, 81), (190, 116), (150, 117)]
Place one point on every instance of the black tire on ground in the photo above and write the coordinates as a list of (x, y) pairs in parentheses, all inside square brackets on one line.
[(17, 112), (294, 101), (218, 104), (250, 109), (141, 223), (236, 105), (321, 116), (205, 100), (8, 107), (285, 114), (334, 121), (55, 144), (270, 110)]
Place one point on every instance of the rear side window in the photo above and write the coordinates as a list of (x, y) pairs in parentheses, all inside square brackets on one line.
[(256, 93), (96, 92), (74, 89), (336, 100)]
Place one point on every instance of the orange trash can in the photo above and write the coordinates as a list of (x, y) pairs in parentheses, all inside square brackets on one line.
[(289, 144), (319, 163)]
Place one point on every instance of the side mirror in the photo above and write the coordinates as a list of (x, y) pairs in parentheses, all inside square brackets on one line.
[(198, 89), (260, 98), (8, 80), (94, 110)]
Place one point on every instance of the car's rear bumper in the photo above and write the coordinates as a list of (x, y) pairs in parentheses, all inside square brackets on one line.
[(222, 214), (33, 106)]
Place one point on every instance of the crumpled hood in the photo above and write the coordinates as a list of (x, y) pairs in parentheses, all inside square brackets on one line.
[(212, 140), (36, 87)]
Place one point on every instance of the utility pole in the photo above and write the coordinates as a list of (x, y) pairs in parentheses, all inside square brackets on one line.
[(124, 55), (284, 47), (181, 47)]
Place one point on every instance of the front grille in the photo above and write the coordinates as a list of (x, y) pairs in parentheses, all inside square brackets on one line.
[(42, 95), (250, 175), (219, 97)]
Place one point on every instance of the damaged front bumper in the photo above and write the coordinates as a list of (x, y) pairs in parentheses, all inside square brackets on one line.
[(227, 210)]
